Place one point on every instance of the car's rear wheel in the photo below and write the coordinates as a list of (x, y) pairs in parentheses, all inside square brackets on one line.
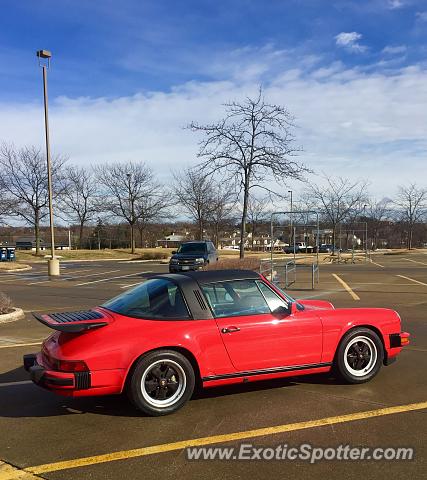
[(161, 382), (359, 356)]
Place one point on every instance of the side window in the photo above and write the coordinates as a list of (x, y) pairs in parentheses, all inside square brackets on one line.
[(273, 300), (240, 297), (154, 299)]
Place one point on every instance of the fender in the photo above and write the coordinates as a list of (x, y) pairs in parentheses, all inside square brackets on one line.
[(336, 323)]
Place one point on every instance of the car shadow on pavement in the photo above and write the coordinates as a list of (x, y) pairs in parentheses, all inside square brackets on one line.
[(16, 375), (26, 400)]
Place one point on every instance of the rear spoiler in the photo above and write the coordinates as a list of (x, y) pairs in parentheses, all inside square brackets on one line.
[(72, 322)]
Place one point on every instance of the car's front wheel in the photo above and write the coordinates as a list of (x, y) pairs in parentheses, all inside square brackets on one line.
[(359, 356), (161, 382)]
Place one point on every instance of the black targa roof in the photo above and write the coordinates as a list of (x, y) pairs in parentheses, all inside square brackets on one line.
[(209, 276), (190, 282)]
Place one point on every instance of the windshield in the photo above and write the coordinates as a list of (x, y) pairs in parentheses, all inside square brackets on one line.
[(289, 298), (154, 299), (199, 248)]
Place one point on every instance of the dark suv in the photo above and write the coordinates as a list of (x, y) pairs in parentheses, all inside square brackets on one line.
[(192, 256)]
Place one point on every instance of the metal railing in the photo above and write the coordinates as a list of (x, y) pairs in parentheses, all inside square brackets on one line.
[(284, 273)]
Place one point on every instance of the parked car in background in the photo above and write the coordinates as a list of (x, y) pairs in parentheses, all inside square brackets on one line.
[(192, 256), (300, 247), (328, 248)]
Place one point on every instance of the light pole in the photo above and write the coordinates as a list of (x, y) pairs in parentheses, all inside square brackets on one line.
[(291, 220), (366, 232), (44, 57)]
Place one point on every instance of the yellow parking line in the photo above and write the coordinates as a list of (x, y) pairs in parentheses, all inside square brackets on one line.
[(228, 437), (349, 290), (412, 280)]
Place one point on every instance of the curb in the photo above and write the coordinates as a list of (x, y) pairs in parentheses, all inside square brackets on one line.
[(76, 260), (17, 314), (27, 267)]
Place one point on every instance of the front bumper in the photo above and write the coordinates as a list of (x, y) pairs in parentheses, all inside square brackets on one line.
[(185, 268), (53, 380), (395, 343), (398, 340)]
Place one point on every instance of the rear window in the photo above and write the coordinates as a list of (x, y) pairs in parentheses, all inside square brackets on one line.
[(154, 299)]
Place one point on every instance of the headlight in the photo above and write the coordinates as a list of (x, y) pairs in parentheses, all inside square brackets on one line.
[(200, 260), (174, 261)]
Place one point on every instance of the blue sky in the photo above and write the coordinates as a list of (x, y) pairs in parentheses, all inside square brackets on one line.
[(352, 72), (110, 48)]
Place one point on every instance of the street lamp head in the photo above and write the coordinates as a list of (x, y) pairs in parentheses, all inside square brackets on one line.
[(44, 54)]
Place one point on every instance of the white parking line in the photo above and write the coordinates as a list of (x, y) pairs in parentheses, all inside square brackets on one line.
[(377, 264), (79, 276), (111, 278), (414, 261), (12, 384), (412, 280), (131, 285), (16, 345), (349, 290)]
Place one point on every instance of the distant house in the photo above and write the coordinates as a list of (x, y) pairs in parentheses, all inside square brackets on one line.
[(172, 241), (29, 243)]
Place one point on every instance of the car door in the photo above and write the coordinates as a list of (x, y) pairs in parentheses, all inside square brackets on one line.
[(254, 337)]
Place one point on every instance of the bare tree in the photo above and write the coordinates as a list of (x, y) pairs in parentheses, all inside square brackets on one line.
[(338, 200), (223, 201), (377, 212), (194, 192), (126, 186), (150, 209), (79, 199), (251, 145), (24, 180), (257, 212), (411, 202)]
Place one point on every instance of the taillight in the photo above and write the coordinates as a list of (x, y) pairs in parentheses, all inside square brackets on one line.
[(71, 366)]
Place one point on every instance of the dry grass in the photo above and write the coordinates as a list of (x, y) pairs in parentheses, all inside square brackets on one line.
[(6, 305), (248, 263), (158, 254), (125, 254)]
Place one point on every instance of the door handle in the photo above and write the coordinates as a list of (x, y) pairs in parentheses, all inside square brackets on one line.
[(230, 330)]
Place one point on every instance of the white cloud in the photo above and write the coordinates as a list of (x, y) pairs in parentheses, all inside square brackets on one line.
[(350, 122), (349, 40), (393, 50), (395, 4), (422, 16)]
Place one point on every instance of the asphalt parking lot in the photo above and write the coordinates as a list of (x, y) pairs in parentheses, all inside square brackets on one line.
[(107, 438)]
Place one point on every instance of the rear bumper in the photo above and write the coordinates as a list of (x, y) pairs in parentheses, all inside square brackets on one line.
[(53, 380), (74, 384)]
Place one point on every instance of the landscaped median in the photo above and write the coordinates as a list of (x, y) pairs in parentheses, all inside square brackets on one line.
[(14, 267), (9, 313)]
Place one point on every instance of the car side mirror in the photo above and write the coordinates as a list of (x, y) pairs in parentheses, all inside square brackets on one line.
[(281, 312), (294, 308), (173, 252)]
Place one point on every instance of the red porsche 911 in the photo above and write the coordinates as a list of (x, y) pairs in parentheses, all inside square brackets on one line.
[(208, 328)]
